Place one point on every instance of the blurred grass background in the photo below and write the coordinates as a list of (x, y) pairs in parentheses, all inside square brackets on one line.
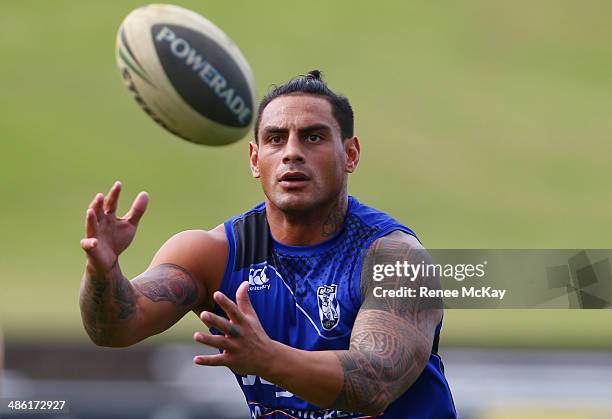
[(483, 125)]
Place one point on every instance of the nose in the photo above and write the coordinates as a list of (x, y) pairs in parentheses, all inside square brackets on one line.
[(293, 152)]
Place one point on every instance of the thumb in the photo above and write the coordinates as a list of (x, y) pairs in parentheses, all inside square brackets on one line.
[(242, 299), (91, 248), (89, 244)]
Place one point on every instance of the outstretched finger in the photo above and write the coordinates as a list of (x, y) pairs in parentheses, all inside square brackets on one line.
[(242, 299), (138, 208), (91, 223), (216, 341), (216, 360), (110, 203), (96, 205), (230, 308), (213, 320), (93, 201)]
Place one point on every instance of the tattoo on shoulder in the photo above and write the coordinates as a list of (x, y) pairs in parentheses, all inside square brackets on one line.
[(168, 282), (392, 336)]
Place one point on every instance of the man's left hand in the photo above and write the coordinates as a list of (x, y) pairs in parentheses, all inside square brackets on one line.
[(246, 346)]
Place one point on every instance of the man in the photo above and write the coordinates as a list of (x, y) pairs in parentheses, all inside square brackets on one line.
[(285, 288)]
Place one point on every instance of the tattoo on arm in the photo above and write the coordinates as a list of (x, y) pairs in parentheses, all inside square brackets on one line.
[(104, 302), (392, 337), (168, 282), (123, 296)]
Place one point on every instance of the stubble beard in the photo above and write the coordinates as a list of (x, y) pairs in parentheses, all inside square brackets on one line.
[(310, 204)]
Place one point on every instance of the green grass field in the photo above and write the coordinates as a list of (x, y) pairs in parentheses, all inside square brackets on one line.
[(482, 125)]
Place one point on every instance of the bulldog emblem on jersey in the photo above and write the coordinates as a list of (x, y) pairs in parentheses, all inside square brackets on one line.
[(329, 308)]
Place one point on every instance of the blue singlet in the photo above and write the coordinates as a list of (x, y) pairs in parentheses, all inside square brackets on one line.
[(308, 297)]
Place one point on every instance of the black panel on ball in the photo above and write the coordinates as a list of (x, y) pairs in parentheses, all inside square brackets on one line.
[(204, 74)]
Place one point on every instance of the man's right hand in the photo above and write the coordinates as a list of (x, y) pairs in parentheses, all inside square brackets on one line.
[(106, 234)]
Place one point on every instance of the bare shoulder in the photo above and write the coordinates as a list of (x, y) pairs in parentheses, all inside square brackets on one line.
[(384, 270), (399, 238), (185, 272), (397, 246)]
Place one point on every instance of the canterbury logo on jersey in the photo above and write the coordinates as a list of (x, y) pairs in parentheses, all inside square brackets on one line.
[(258, 277)]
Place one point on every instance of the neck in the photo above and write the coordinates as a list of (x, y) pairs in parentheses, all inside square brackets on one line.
[(306, 228)]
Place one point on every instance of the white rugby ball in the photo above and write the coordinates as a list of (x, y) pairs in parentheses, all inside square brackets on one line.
[(186, 74)]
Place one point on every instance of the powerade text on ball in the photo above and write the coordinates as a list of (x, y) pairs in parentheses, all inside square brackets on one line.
[(226, 84)]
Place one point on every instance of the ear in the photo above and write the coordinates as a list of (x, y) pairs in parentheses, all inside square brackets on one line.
[(352, 148), (254, 158)]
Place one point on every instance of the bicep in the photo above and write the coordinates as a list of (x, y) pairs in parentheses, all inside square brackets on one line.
[(182, 277), (165, 293), (397, 291)]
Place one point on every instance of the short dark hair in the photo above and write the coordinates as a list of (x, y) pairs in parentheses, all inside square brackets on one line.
[(312, 84)]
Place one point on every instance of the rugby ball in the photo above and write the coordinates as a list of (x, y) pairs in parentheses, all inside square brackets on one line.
[(186, 74)]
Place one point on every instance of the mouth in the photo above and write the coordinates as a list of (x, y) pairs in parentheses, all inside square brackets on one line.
[(294, 179)]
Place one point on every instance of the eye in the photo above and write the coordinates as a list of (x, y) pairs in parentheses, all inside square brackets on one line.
[(313, 138), (275, 139)]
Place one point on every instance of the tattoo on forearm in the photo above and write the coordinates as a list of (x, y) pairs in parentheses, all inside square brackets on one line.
[(93, 308), (106, 301), (384, 359), (168, 282), (391, 340), (123, 296)]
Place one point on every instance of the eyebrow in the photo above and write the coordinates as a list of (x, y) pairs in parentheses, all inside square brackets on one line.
[(314, 127)]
